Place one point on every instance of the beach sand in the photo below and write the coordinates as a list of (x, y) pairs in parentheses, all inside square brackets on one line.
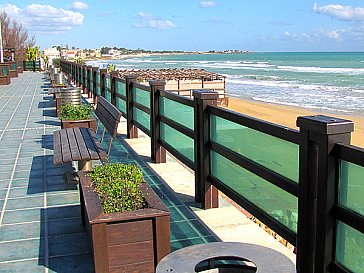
[(287, 116)]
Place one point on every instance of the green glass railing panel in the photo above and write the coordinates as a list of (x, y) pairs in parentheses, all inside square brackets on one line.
[(120, 88), (351, 186), (4, 71), (98, 78), (271, 152), (13, 66), (29, 65), (108, 96), (276, 202), (20, 65), (350, 248), (98, 90), (141, 117), (178, 112), (141, 96), (180, 142), (121, 105)]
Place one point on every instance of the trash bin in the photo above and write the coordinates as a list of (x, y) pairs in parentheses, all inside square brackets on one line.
[(69, 95)]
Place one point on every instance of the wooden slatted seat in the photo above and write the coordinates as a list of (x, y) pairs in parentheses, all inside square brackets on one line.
[(81, 144)]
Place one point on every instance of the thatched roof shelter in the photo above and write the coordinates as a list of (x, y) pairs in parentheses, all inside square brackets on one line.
[(183, 80)]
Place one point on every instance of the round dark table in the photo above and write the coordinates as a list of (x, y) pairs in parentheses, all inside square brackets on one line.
[(265, 259)]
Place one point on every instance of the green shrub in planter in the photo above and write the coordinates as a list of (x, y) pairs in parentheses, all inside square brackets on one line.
[(117, 186), (75, 112)]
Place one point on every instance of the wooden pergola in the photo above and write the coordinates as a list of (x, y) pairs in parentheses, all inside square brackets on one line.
[(183, 80)]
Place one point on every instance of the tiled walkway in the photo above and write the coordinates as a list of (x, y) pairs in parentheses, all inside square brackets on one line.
[(40, 225)]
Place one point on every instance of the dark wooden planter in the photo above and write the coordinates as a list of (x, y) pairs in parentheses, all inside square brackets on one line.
[(4, 80), (84, 123), (125, 242), (4, 74)]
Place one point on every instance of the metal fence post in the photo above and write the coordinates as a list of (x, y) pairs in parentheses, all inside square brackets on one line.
[(205, 193), (317, 190), (113, 75), (132, 130), (158, 153)]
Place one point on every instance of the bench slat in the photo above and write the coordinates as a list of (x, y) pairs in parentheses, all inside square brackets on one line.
[(109, 115), (72, 139), (81, 146), (65, 147), (101, 151), (57, 157), (92, 148), (115, 112)]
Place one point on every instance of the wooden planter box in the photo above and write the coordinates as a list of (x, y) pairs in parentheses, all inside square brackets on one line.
[(132, 241), (84, 123), (4, 80)]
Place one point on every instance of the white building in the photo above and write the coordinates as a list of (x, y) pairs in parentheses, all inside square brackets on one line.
[(52, 53)]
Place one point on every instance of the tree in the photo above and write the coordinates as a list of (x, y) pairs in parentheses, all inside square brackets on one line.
[(32, 53), (45, 59), (15, 36)]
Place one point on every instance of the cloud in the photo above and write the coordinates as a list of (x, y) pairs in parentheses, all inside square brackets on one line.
[(217, 21), (79, 5), (280, 23), (208, 4), (147, 20), (44, 19), (337, 11)]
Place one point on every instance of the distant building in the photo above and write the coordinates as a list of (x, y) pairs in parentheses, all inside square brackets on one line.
[(52, 53), (70, 55), (96, 53), (114, 52)]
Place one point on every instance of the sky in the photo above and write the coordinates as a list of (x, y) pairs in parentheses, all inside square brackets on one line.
[(194, 25)]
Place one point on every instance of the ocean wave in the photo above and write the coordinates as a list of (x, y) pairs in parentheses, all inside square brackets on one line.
[(303, 105), (276, 82), (329, 70)]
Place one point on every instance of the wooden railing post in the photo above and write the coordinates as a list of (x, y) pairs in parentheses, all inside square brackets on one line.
[(132, 130), (317, 190), (113, 75), (103, 73), (205, 193), (158, 153), (94, 74), (78, 75), (88, 79)]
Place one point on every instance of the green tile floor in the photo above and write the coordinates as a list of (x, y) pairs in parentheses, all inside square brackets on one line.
[(40, 225)]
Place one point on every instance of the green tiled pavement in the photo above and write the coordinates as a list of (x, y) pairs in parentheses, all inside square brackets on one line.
[(40, 224)]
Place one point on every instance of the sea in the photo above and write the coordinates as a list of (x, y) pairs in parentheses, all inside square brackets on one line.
[(326, 82)]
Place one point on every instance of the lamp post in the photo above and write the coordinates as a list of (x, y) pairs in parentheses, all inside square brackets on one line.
[(1, 46)]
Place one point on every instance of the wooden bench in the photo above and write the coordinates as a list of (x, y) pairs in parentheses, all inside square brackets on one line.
[(81, 144)]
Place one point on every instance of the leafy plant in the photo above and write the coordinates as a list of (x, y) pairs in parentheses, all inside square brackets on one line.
[(111, 68), (75, 112), (56, 62), (118, 187)]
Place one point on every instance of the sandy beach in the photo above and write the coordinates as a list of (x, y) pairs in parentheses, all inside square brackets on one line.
[(286, 115)]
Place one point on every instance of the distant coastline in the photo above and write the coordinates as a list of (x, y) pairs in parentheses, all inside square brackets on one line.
[(168, 53)]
